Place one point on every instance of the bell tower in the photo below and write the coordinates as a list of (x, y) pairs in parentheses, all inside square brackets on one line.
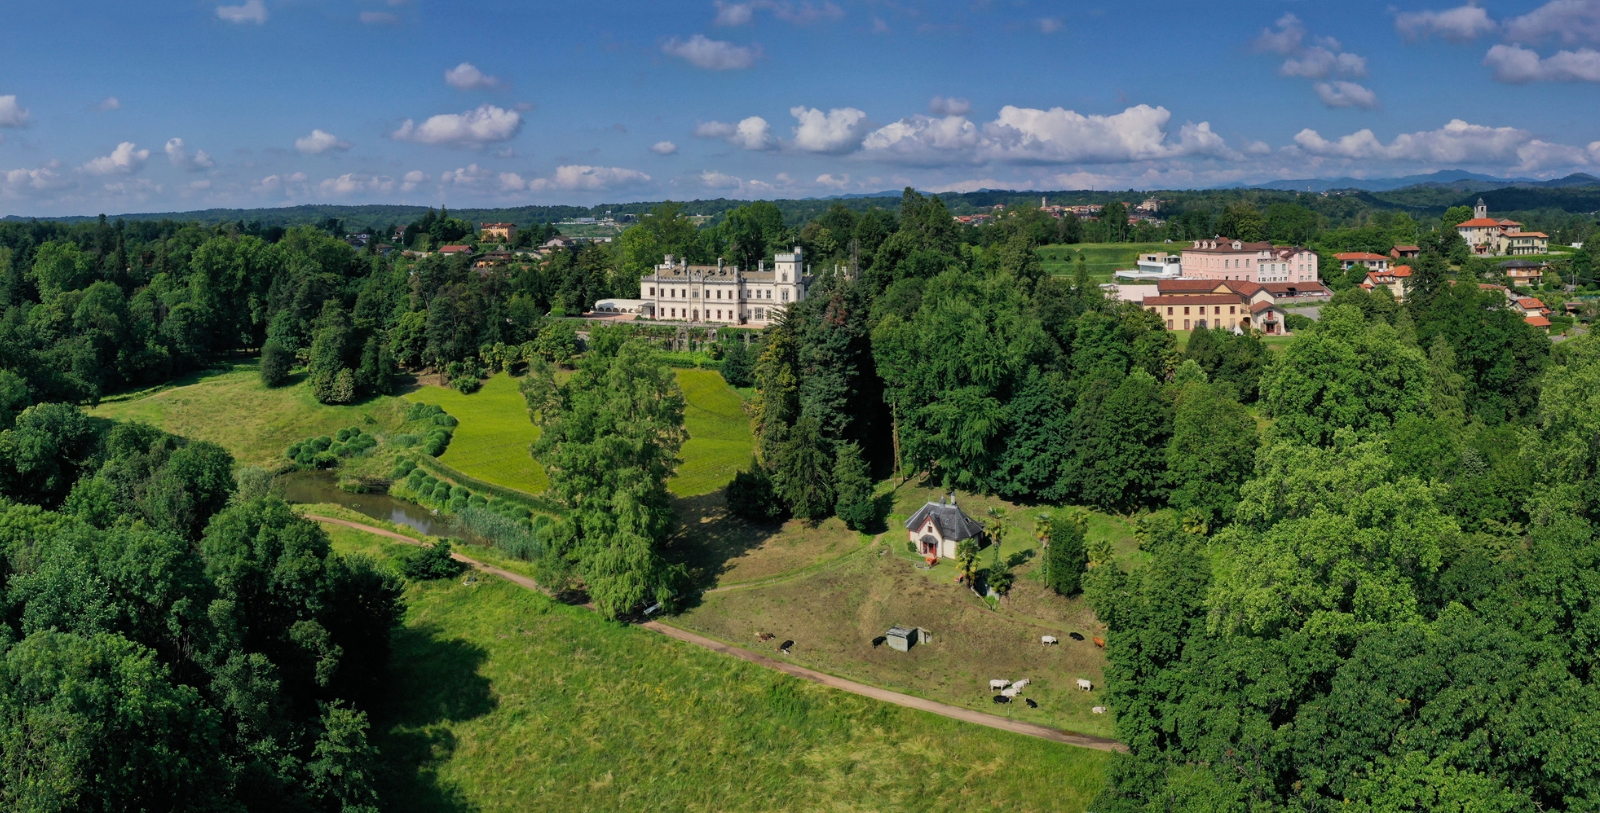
[(1480, 211)]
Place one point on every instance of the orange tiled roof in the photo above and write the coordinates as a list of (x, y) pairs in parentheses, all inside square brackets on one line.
[(1537, 321)]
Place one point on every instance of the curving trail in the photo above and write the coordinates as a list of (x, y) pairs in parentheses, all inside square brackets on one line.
[(922, 704)]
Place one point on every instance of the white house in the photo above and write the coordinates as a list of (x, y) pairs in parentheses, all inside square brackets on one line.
[(938, 527), (675, 291), (1486, 235)]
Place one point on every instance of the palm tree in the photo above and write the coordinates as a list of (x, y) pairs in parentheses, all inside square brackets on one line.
[(966, 558)]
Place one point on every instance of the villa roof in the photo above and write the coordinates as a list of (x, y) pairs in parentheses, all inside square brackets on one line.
[(1478, 223), (953, 523), (1529, 302), (1201, 299), (1537, 321), (1528, 234), (1262, 306), (1357, 256), (1407, 248), (1401, 271)]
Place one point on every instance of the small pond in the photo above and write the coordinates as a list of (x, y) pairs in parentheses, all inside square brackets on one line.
[(323, 487)]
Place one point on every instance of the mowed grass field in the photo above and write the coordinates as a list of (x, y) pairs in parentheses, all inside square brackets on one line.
[(1101, 258), (719, 434), (500, 699), (491, 442), (254, 423)]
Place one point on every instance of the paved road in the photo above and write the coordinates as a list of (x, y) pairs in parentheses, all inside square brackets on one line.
[(922, 704)]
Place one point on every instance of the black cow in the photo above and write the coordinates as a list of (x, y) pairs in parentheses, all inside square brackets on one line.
[(1029, 701), (784, 647), (1075, 636), (879, 641), (1000, 698)]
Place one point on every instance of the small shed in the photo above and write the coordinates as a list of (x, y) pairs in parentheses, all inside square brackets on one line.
[(902, 638)]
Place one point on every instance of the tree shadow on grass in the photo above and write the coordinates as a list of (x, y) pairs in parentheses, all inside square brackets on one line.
[(433, 680), (709, 536)]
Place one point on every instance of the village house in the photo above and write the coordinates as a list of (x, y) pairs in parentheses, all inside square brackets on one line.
[(1366, 259), (1237, 305), (721, 293), (1224, 259), (936, 529), (1405, 252), (1524, 272), (502, 232), (1396, 279), (1487, 236), (458, 249)]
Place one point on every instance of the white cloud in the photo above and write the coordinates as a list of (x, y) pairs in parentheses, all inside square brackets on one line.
[(1517, 65), (1284, 38), (1027, 135), (253, 11), (320, 142), (182, 159), (711, 179), (835, 132), (590, 179), (1568, 21), (379, 18), (109, 103), (474, 128), (466, 76), (512, 182), (1455, 143), (13, 114), (753, 133), (1346, 94), (664, 148), (949, 106), (1319, 63), (925, 141), (805, 13), (712, 55), (1257, 148), (831, 181), (413, 179), (1049, 25), (351, 183), (469, 176), (20, 183), (124, 160), (1459, 24), (292, 185)]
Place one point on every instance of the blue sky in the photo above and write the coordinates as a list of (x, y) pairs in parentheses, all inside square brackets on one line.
[(190, 104)]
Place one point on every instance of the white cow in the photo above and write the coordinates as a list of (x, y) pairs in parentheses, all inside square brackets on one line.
[(997, 685), (1098, 710), (1085, 685), (1021, 683), (1012, 692), (1047, 640)]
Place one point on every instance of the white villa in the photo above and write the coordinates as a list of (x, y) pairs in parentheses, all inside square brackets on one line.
[(938, 527), (722, 294), (1488, 236), (1224, 259)]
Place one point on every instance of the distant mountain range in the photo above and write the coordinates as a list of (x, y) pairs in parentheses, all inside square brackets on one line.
[(1457, 179)]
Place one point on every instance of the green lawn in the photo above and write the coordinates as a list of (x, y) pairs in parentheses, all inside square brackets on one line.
[(502, 699), (719, 434), (491, 442), (255, 424), (1101, 258)]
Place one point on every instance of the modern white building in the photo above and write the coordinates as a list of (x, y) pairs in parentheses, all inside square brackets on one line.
[(1155, 265), (1221, 258), (722, 294)]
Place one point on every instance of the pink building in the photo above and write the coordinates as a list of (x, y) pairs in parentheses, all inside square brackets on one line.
[(1221, 258)]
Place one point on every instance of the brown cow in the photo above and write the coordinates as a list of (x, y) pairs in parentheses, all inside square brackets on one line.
[(1100, 642)]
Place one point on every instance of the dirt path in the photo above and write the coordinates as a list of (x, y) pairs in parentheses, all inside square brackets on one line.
[(935, 707)]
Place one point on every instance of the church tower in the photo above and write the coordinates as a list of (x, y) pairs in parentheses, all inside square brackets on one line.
[(1480, 211)]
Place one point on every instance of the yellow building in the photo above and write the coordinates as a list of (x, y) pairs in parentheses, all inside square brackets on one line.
[(503, 232)]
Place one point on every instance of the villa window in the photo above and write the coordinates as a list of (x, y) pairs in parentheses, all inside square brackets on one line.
[(1169, 310), (652, 292), (1186, 313)]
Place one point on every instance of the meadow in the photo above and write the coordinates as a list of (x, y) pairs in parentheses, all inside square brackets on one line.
[(502, 699), (1100, 258), (231, 407), (491, 443), (719, 434), (833, 591)]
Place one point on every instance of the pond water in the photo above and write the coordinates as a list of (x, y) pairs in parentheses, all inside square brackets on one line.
[(323, 487)]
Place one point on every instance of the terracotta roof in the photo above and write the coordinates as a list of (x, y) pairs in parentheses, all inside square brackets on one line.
[(454, 249), (1407, 248), (1357, 256), (1202, 299), (1262, 306), (1478, 223), (1537, 321), (1401, 271), (1189, 287), (1528, 234), (1283, 288), (1529, 302)]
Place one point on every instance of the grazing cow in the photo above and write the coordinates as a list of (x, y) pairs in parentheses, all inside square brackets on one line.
[(1031, 704), (1085, 685), (764, 636), (1000, 698), (1098, 710), (1012, 692), (1047, 640), (1021, 683), (1100, 642), (1075, 636), (997, 685), (784, 647), (878, 641)]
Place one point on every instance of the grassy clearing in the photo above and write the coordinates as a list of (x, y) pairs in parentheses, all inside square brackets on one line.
[(254, 423), (721, 549), (839, 596), (1101, 258), (719, 434), (491, 443), (501, 699)]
